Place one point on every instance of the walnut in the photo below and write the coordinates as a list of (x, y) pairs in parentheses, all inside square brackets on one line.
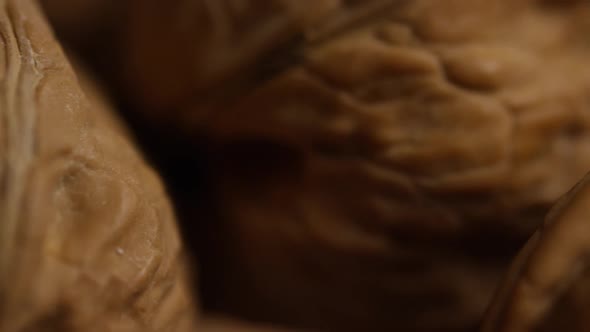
[(88, 240), (376, 157), (547, 288)]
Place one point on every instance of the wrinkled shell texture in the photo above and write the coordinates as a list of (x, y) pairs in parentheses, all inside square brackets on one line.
[(87, 235), (378, 162)]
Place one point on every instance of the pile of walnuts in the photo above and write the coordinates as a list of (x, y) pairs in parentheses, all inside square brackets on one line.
[(300, 165)]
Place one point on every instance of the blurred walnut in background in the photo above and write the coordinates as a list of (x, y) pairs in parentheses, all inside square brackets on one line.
[(374, 165)]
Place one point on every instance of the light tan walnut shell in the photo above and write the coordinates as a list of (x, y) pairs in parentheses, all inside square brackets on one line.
[(88, 240)]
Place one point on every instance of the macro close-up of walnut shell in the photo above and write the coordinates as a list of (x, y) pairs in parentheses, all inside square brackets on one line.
[(315, 165)]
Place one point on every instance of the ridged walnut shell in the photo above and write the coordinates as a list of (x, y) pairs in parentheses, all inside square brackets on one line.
[(88, 240)]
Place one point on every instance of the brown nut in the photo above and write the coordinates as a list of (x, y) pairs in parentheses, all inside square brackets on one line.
[(88, 240), (548, 286), (377, 171)]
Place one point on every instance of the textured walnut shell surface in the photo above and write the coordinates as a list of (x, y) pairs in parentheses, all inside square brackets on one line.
[(461, 110), (547, 288), (463, 98), (88, 238), (379, 165)]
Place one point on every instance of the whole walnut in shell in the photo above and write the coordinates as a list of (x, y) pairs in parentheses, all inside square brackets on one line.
[(375, 163), (88, 240)]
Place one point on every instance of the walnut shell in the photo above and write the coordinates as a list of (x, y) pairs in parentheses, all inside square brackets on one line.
[(88, 239), (377, 166), (547, 288)]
